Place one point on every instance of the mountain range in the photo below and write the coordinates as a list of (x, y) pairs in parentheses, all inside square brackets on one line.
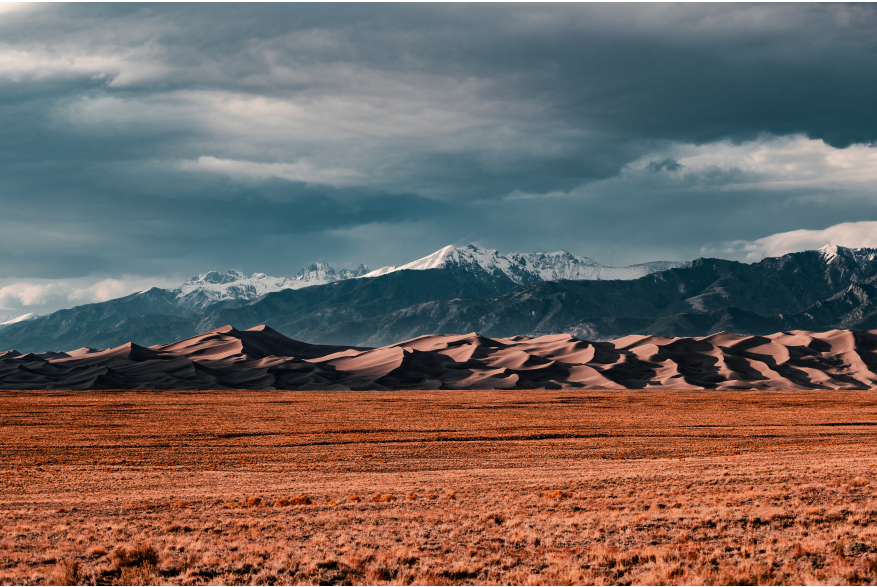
[(187, 309), (470, 289), (524, 269)]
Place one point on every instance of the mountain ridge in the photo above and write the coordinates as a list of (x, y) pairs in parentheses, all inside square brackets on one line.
[(832, 287), (526, 268)]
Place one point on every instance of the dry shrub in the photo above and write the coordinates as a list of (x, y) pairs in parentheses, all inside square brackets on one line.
[(144, 575), (301, 500), (137, 564), (253, 502), (67, 573), (281, 502), (355, 498), (451, 494), (496, 518), (378, 498), (558, 494), (859, 482), (96, 551), (139, 555), (379, 575)]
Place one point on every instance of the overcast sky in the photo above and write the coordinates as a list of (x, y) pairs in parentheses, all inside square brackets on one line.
[(144, 144)]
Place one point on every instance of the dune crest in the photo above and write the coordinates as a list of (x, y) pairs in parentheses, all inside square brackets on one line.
[(262, 358)]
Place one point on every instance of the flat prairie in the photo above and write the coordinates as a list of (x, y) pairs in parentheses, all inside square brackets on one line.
[(445, 487)]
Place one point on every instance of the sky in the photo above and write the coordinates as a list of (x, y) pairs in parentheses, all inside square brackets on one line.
[(144, 144)]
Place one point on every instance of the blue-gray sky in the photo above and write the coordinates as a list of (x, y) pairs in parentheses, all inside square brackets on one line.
[(143, 144)]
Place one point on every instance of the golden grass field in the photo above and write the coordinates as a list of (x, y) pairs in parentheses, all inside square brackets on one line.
[(447, 487)]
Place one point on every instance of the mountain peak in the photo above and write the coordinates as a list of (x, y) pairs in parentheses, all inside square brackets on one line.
[(829, 252), (215, 286), (22, 318), (528, 267), (862, 256), (218, 278)]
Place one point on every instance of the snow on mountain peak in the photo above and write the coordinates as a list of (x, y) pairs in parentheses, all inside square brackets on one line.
[(529, 267), (22, 318), (861, 256), (828, 252), (215, 286)]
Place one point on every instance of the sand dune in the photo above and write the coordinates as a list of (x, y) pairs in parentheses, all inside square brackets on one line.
[(262, 358)]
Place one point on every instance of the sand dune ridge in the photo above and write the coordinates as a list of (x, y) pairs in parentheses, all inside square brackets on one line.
[(262, 358)]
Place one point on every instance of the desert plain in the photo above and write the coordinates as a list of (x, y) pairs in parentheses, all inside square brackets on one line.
[(438, 487)]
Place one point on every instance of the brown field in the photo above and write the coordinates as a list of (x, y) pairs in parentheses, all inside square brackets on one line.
[(523, 487)]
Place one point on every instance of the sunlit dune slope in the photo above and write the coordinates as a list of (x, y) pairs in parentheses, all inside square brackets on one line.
[(262, 358)]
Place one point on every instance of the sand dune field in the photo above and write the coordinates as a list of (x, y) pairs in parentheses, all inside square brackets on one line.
[(261, 358), (438, 487)]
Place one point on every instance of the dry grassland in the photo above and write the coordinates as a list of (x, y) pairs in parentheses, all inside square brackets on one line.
[(442, 487)]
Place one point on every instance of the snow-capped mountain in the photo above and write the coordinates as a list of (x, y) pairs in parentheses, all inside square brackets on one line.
[(22, 318), (522, 269), (818, 290), (320, 273), (864, 257), (213, 286), (525, 268)]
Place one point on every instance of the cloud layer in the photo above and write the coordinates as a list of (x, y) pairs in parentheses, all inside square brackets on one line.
[(167, 140), (853, 235), (44, 296)]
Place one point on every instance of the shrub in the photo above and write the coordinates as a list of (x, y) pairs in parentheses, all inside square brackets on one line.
[(139, 555), (96, 551), (67, 573), (378, 498), (142, 575), (558, 494)]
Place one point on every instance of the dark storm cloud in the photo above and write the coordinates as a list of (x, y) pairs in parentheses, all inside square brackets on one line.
[(177, 138)]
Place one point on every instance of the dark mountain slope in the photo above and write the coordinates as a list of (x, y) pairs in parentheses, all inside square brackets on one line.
[(151, 317), (813, 290), (801, 290)]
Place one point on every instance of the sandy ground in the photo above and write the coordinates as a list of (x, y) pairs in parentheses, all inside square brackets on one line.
[(535, 487)]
